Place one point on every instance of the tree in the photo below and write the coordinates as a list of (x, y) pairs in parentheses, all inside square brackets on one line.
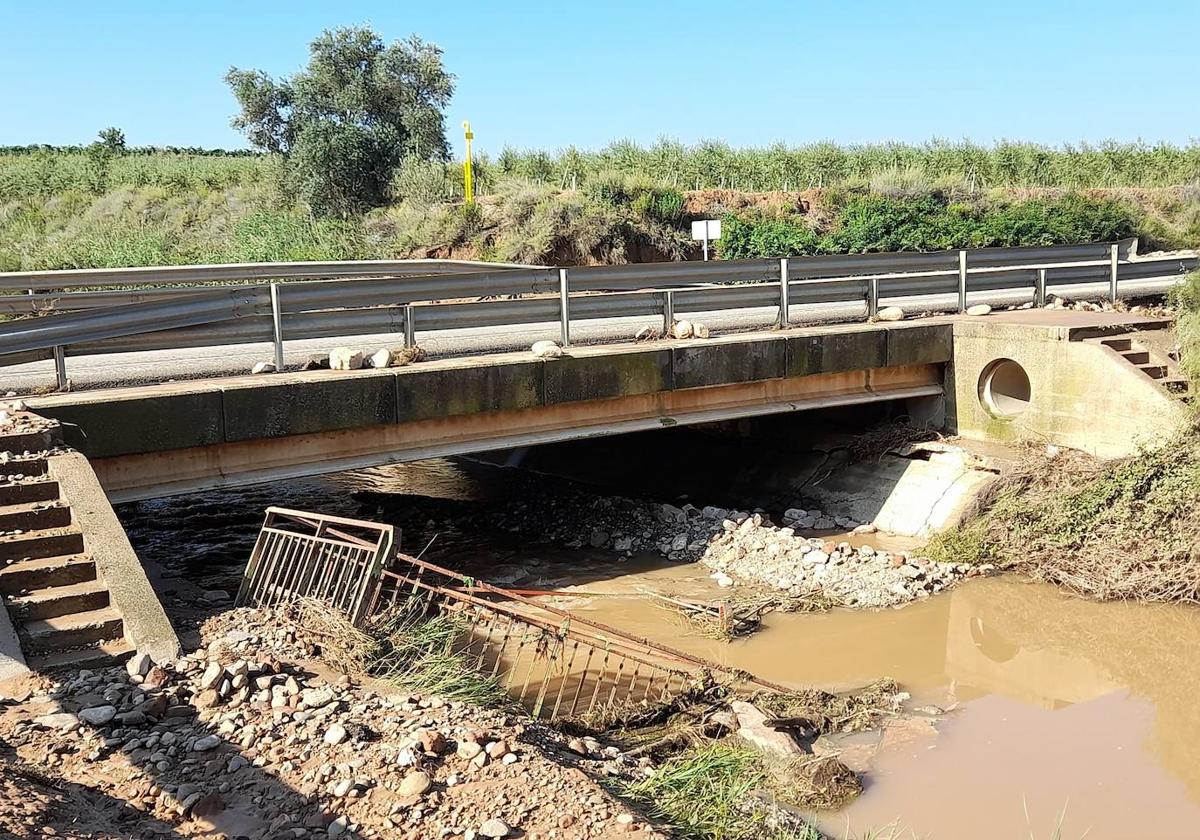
[(113, 140), (344, 123)]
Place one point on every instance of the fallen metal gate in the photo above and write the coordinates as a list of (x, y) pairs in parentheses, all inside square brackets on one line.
[(311, 555), (556, 663)]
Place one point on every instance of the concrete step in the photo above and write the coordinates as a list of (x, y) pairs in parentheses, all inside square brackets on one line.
[(28, 491), (1176, 384), (34, 516), (50, 542), (102, 654), (1118, 343), (53, 601), (29, 575), (67, 632), (1136, 357), (22, 442), (1154, 371), (26, 466)]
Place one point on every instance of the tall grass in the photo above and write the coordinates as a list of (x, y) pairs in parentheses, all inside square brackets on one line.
[(706, 794), (715, 165)]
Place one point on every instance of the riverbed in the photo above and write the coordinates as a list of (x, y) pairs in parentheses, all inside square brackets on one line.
[(1046, 706)]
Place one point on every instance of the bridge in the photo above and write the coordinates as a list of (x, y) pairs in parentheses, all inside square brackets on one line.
[(74, 590)]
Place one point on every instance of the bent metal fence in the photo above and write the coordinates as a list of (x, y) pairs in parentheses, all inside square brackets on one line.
[(556, 663), (380, 297)]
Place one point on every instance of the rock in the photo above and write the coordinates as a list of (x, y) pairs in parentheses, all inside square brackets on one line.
[(319, 361), (415, 784), (317, 698), (700, 331), (206, 743), (381, 358), (407, 356), (546, 350), (577, 746), (468, 749), (139, 665), (752, 728), (682, 329), (599, 539), (335, 734), (890, 313), (212, 675), (345, 358), (58, 720), (262, 367), (338, 827), (722, 579), (867, 528), (494, 829), (979, 309), (497, 749), (343, 787), (156, 677), (215, 596), (432, 741)]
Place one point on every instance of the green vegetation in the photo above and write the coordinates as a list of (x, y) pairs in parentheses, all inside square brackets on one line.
[(406, 646), (101, 206), (706, 793), (935, 165), (344, 123)]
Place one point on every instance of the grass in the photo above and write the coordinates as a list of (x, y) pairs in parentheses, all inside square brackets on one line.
[(405, 646), (69, 209), (706, 794)]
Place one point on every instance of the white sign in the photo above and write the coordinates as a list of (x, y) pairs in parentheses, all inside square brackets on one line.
[(706, 229)]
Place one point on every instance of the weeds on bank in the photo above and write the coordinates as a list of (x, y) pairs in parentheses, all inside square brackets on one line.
[(405, 646), (1125, 528), (706, 794)]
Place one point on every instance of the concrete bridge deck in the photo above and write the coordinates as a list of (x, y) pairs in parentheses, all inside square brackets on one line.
[(183, 436), (180, 437)]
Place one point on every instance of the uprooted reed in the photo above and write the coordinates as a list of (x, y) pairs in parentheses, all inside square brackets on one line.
[(406, 646)]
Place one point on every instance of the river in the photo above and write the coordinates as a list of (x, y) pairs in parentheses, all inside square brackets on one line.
[(1057, 708)]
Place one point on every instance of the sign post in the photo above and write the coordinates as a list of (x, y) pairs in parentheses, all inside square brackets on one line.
[(706, 230), (468, 175)]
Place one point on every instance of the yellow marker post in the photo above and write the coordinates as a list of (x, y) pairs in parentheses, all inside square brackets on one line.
[(468, 176)]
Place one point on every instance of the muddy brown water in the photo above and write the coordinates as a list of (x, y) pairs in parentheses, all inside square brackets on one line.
[(1058, 708)]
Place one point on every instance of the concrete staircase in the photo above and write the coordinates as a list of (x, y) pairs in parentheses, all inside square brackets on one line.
[(1152, 354), (49, 583)]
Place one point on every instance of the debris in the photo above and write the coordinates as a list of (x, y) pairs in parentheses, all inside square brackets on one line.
[(979, 309), (345, 358), (381, 358), (546, 350), (262, 367), (890, 313)]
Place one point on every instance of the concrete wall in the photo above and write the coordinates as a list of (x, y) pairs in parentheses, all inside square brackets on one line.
[(193, 435), (1082, 395)]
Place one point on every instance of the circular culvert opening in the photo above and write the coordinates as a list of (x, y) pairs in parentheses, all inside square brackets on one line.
[(1004, 388)]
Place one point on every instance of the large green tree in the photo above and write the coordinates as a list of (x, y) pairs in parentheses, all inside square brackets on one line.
[(344, 123)]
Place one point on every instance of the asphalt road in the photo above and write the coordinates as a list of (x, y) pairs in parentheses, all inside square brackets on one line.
[(115, 369)]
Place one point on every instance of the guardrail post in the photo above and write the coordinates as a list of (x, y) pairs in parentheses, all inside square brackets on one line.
[(564, 302), (60, 367), (668, 311), (1114, 255), (410, 327), (962, 281), (872, 297), (1039, 294), (785, 314), (277, 321)]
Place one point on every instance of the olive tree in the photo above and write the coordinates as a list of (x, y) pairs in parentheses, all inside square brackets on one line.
[(344, 123)]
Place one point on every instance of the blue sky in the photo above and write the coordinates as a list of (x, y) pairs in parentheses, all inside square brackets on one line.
[(548, 75)]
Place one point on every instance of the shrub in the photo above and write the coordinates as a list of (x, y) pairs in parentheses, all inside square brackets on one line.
[(745, 238)]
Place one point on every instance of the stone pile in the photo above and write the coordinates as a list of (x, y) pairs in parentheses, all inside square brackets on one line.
[(754, 551), (242, 733)]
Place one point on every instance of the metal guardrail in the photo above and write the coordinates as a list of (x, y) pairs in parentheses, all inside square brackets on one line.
[(385, 302)]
